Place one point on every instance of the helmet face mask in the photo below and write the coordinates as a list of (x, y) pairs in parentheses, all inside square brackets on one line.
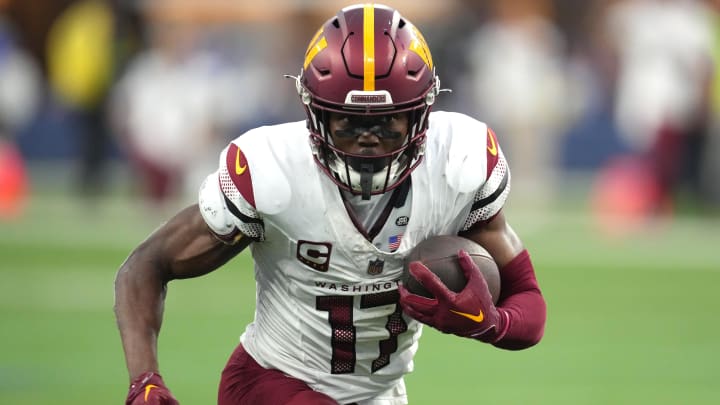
[(367, 63), (383, 126)]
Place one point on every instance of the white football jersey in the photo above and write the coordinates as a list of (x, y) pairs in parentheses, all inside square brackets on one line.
[(327, 307)]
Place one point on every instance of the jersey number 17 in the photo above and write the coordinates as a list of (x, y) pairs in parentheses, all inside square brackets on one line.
[(340, 317)]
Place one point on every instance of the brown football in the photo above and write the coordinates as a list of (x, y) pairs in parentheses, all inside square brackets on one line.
[(439, 254)]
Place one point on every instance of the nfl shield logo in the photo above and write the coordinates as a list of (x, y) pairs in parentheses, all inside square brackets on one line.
[(375, 267)]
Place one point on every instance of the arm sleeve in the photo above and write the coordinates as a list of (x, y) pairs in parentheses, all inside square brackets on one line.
[(521, 304)]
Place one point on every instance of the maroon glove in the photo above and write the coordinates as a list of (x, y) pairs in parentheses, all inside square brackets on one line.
[(469, 313), (149, 389)]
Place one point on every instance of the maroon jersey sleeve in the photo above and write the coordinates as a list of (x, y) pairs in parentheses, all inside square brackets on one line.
[(227, 200), (491, 196)]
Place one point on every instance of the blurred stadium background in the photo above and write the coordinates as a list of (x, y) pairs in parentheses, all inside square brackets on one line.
[(111, 112)]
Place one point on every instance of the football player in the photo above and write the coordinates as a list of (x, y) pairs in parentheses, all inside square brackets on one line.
[(329, 207)]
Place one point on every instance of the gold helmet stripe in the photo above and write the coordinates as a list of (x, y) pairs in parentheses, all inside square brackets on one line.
[(369, 47)]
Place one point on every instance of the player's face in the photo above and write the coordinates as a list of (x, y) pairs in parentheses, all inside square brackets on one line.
[(369, 135)]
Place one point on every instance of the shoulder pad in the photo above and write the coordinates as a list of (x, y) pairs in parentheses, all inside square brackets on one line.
[(255, 171), (466, 168), (213, 208)]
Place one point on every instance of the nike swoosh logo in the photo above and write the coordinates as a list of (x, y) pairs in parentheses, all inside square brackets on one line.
[(239, 169), (147, 390), (492, 148), (475, 318)]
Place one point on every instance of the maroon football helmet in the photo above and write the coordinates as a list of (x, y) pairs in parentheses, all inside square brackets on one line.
[(368, 61)]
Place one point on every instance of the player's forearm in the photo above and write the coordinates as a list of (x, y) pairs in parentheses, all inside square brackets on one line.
[(526, 313), (139, 298), (522, 305)]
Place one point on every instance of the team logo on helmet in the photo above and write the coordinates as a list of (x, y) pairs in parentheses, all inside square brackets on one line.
[(368, 97), (421, 48), (317, 44)]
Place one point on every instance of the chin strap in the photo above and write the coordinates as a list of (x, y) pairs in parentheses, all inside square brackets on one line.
[(366, 180)]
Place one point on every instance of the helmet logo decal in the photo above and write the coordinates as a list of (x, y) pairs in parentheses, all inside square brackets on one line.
[(368, 97), (317, 44), (369, 47), (420, 47)]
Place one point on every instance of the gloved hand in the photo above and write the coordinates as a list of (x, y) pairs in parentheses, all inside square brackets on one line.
[(149, 389), (469, 313)]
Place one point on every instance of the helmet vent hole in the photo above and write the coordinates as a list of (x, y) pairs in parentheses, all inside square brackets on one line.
[(401, 23), (413, 73), (336, 23)]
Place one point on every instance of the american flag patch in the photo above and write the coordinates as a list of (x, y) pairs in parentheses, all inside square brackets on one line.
[(394, 242)]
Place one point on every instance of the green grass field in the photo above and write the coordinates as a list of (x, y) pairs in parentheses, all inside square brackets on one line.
[(632, 320)]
